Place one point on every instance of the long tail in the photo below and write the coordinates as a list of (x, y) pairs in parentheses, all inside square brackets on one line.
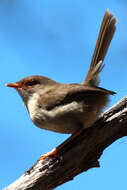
[(104, 38)]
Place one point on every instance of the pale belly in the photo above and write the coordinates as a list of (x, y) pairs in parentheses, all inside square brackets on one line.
[(63, 119)]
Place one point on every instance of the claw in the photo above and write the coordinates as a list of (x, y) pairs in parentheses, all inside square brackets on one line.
[(49, 154)]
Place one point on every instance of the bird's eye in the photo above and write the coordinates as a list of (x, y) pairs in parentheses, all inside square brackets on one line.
[(32, 83)]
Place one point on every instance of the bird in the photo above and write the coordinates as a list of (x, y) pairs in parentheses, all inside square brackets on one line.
[(69, 108)]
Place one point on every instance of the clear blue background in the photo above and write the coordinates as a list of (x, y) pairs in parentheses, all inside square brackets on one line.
[(56, 38)]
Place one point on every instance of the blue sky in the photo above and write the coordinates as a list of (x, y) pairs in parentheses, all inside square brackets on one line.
[(57, 39)]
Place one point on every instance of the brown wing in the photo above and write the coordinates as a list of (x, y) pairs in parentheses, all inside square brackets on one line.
[(67, 93)]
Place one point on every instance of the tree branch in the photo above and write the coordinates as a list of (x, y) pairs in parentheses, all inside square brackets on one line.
[(79, 155)]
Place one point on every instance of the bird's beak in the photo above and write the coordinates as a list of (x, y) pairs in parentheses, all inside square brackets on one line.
[(14, 85)]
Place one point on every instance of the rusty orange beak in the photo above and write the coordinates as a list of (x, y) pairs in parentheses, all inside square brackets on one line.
[(14, 85)]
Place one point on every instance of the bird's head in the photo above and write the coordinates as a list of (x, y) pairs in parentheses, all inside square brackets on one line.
[(28, 86)]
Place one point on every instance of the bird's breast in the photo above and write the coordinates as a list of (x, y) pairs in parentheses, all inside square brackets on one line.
[(32, 105), (62, 119)]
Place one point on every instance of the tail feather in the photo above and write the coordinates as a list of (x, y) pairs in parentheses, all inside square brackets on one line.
[(104, 38)]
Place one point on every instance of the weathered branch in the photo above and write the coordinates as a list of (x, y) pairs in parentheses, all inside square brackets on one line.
[(78, 155)]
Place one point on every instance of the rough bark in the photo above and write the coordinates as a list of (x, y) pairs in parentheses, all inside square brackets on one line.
[(79, 155)]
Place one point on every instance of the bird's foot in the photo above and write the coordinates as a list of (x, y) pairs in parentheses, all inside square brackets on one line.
[(49, 154), (54, 152)]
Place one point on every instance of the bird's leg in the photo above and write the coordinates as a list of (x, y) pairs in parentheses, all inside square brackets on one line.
[(55, 150)]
